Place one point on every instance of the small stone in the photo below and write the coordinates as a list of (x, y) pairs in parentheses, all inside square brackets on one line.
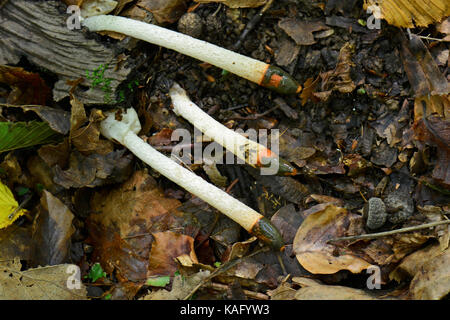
[(191, 24), (375, 213)]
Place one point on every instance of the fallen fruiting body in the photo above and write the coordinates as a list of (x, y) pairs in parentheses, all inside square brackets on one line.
[(248, 150), (124, 126), (254, 70)]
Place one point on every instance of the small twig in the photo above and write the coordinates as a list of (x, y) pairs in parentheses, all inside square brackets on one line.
[(248, 293), (224, 267), (388, 233), (12, 214), (280, 261), (252, 24)]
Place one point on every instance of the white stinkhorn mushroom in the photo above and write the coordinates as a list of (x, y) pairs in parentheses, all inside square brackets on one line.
[(248, 150), (124, 126), (254, 70)]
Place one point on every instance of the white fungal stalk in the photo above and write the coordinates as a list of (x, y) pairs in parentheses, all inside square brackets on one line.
[(245, 149), (246, 67), (125, 132)]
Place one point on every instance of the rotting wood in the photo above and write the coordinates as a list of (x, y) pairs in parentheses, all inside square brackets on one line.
[(37, 30)]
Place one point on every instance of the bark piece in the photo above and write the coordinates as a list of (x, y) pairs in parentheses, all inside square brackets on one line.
[(38, 31)]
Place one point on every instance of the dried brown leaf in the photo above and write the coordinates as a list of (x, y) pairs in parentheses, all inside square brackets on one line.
[(94, 170), (164, 11), (166, 247), (308, 89), (236, 3), (52, 231), (324, 292), (325, 222), (27, 87), (338, 79), (409, 13), (181, 287), (412, 263), (432, 282), (122, 223), (45, 283), (301, 31)]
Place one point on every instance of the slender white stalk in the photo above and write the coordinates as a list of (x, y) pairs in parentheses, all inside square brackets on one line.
[(245, 149), (248, 68), (125, 131)]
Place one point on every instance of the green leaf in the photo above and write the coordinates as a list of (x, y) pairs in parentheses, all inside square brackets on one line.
[(22, 191), (16, 135), (96, 272), (158, 281)]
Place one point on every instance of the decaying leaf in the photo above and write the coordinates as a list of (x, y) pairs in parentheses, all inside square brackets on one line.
[(164, 11), (15, 242), (315, 290), (422, 71), (308, 89), (27, 87), (57, 119), (61, 282), (444, 28), (181, 287), (237, 3), (324, 292), (94, 170), (52, 232), (412, 263), (409, 13), (301, 31), (432, 125), (166, 247), (432, 281), (325, 222), (123, 221), (214, 174), (283, 292), (91, 8), (338, 79)]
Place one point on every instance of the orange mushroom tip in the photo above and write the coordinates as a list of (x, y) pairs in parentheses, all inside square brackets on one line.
[(267, 233), (265, 158), (280, 81)]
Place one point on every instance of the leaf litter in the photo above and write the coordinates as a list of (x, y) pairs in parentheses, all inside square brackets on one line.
[(371, 121)]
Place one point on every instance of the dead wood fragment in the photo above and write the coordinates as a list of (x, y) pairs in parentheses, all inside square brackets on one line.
[(37, 30)]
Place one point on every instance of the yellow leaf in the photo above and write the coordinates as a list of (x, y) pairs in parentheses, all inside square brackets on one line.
[(409, 13), (7, 207)]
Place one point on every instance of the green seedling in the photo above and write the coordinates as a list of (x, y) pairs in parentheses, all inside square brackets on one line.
[(40, 187), (21, 191), (95, 273), (158, 281), (98, 80), (131, 86)]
